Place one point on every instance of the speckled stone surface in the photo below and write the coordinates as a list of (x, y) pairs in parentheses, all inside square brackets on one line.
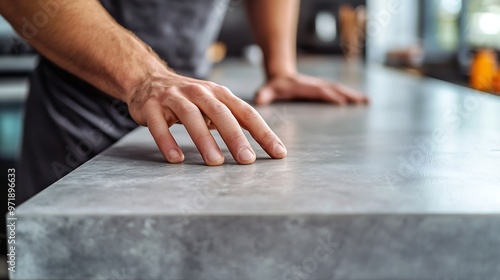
[(406, 188)]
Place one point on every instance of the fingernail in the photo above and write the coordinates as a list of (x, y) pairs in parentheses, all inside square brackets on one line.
[(213, 156), (173, 154), (246, 155), (279, 149)]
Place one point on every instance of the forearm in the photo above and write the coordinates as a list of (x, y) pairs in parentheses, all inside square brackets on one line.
[(82, 38), (274, 24)]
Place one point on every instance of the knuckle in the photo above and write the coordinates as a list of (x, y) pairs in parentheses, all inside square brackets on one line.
[(267, 137), (187, 108), (150, 103), (218, 108), (202, 137), (249, 113), (225, 90), (153, 122), (167, 95), (218, 87), (194, 89), (236, 136), (212, 84)]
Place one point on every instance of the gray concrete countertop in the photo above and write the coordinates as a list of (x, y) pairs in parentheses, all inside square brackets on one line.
[(405, 188)]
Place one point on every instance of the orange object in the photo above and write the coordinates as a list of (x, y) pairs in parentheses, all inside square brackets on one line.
[(483, 70), (496, 83)]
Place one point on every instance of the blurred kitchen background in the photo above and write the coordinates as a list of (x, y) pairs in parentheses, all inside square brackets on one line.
[(445, 39)]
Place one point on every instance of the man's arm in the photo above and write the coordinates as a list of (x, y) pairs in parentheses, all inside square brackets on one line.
[(81, 37), (274, 24)]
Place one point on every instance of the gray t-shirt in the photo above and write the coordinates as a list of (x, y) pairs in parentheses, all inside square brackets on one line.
[(68, 121), (180, 31)]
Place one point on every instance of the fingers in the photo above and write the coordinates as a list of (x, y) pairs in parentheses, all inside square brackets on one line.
[(332, 96), (200, 106), (320, 91), (159, 129), (304, 87), (334, 93), (258, 128), (228, 127), (352, 96), (195, 124)]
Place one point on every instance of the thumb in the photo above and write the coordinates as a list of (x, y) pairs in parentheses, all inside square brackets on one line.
[(265, 95)]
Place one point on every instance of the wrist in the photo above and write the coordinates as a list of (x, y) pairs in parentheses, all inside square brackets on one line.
[(279, 69), (282, 73), (152, 76), (146, 70)]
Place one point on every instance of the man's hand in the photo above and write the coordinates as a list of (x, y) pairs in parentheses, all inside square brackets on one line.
[(302, 87), (164, 100), (100, 51), (274, 24)]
